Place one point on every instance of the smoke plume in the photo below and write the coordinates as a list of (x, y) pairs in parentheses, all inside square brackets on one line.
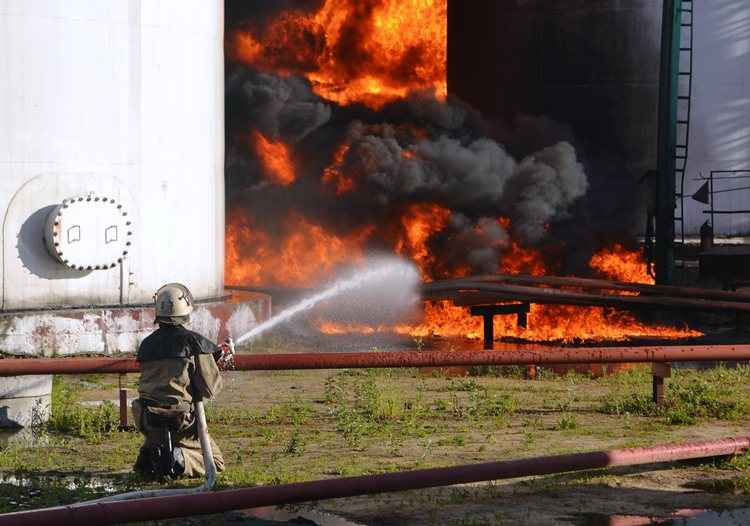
[(415, 151)]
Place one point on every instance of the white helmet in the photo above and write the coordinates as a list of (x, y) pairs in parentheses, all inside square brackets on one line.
[(173, 300)]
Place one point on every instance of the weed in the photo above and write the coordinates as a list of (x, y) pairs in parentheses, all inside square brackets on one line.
[(333, 391), (394, 444), (296, 445), (440, 406), (352, 426), (465, 384), (566, 421)]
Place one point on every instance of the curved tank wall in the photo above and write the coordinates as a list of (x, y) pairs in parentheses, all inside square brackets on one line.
[(544, 69), (720, 122), (119, 101), (586, 72)]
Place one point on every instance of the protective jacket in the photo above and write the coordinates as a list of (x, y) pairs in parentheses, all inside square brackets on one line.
[(177, 365)]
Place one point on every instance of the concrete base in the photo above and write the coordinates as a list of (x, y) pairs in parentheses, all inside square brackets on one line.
[(24, 400), (116, 330)]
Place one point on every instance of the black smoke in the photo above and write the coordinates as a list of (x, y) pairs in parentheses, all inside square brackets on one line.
[(417, 150)]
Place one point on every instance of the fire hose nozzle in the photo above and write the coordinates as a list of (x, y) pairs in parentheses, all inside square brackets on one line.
[(227, 354)]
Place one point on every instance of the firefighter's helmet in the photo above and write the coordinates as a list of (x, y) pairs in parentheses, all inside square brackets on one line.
[(173, 300)]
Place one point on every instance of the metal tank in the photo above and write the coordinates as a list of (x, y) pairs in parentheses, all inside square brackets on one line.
[(111, 173), (589, 72), (720, 117)]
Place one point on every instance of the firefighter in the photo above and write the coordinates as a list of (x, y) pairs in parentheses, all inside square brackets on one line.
[(178, 367)]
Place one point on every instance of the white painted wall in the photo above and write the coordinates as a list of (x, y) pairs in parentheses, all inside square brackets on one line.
[(720, 123), (114, 96)]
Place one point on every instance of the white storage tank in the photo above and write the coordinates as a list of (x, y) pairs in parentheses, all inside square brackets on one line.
[(111, 171), (116, 100), (111, 178)]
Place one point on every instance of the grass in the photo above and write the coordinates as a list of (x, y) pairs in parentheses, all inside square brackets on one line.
[(279, 427), (718, 393)]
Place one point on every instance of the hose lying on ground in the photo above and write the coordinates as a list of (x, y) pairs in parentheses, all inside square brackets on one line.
[(208, 462)]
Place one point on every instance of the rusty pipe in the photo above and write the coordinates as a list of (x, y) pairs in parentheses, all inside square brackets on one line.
[(602, 284), (359, 360), (477, 293), (221, 501)]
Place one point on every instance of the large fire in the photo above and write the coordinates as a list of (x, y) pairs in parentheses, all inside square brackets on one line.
[(375, 52), (300, 258), (366, 51), (563, 323)]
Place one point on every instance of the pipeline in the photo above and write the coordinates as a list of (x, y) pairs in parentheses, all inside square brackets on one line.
[(358, 360), (226, 500), (598, 284), (466, 292)]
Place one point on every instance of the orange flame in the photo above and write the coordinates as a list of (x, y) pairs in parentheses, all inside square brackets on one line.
[(372, 52), (334, 174), (420, 221), (303, 256), (276, 159), (621, 264)]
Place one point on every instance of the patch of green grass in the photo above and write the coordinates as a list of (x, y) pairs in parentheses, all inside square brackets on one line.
[(504, 371), (68, 416), (566, 421), (690, 395), (45, 492), (733, 485)]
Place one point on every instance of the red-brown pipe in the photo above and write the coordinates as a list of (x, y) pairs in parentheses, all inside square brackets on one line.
[(220, 501), (358, 360), (465, 292), (602, 284)]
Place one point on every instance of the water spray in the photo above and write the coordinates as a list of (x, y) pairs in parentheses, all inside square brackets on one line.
[(397, 269)]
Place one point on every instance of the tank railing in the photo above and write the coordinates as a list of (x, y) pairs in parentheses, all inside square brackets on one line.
[(727, 177)]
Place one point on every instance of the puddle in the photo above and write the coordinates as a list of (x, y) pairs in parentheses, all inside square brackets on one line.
[(737, 517), (67, 482), (272, 516)]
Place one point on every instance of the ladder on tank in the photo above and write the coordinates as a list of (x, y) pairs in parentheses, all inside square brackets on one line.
[(684, 107)]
